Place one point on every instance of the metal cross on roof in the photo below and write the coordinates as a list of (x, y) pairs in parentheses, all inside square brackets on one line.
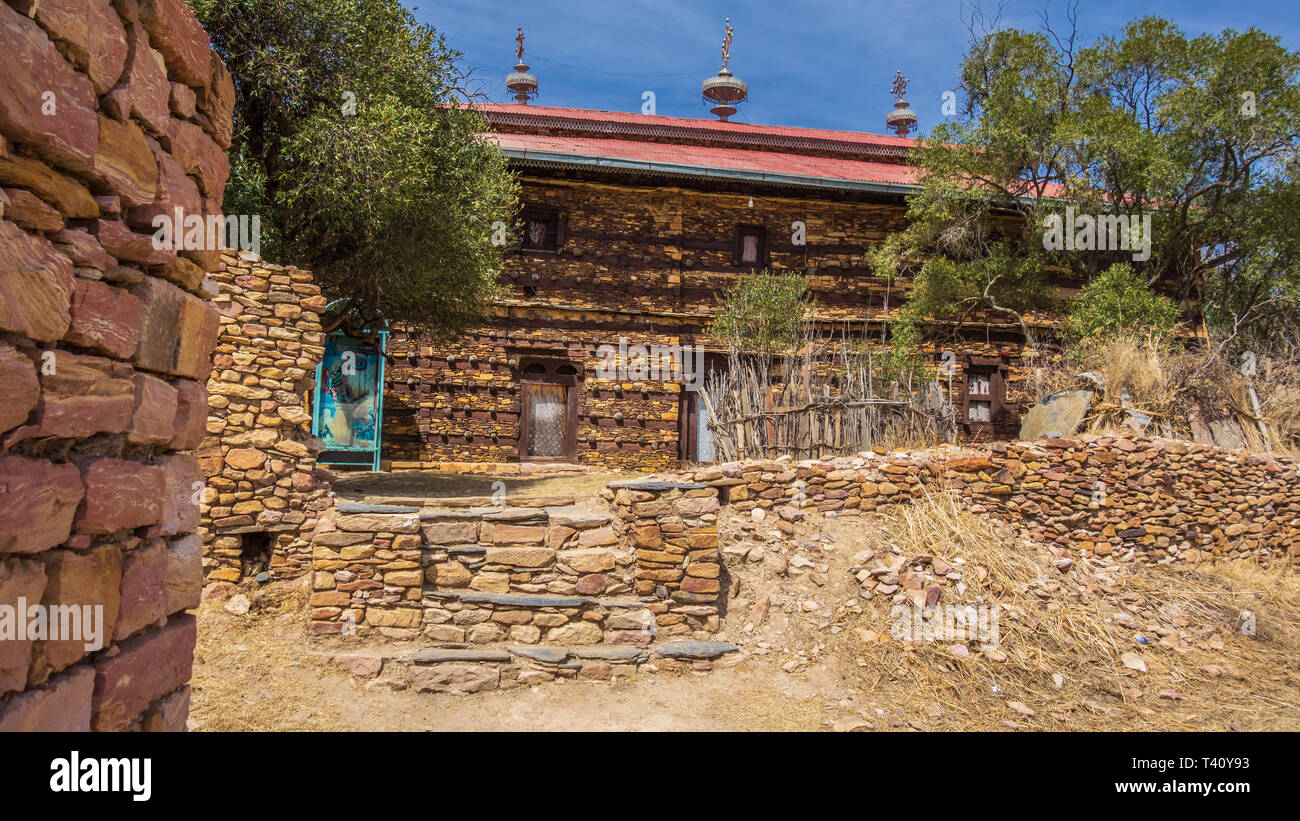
[(900, 85)]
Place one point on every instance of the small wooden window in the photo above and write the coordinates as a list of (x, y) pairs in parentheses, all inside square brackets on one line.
[(541, 230), (983, 395), (751, 246)]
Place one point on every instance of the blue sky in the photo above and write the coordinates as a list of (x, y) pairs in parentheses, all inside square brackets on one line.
[(819, 64)]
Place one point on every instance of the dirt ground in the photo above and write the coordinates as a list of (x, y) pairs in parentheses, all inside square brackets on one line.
[(254, 672), (822, 658)]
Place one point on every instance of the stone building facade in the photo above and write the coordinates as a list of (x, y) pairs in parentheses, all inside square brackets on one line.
[(631, 227), (111, 113), (259, 457)]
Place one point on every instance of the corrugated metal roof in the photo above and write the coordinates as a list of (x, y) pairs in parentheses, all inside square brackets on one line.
[(714, 127), (774, 166)]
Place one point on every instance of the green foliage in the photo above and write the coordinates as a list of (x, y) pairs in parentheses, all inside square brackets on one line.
[(354, 143), (762, 313), (1151, 123), (1116, 302)]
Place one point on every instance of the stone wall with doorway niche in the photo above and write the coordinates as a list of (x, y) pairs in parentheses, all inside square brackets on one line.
[(111, 113), (263, 494)]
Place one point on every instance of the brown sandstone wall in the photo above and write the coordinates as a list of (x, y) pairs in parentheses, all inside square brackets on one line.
[(110, 114), (259, 457), (646, 263)]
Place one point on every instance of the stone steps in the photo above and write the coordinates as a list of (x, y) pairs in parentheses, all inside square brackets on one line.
[(471, 669)]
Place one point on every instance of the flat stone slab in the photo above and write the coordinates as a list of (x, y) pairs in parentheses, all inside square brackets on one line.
[(358, 507), (695, 649), (577, 517), (546, 655), (464, 549), (532, 600), (513, 514), (639, 484), (439, 655), (1060, 414), (427, 515), (268, 528), (526, 600), (612, 652)]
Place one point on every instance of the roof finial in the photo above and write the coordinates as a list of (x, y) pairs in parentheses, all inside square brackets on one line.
[(726, 45), (523, 84), (902, 118), (724, 90)]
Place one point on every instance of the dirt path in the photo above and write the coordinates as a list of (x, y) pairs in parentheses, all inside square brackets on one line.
[(255, 673)]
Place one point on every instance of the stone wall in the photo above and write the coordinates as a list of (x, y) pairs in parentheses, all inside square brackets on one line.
[(526, 575), (1155, 499), (646, 569), (646, 263), (110, 114), (262, 497), (533, 593)]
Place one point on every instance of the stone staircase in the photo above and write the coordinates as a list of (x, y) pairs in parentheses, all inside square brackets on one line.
[(456, 595), (454, 571)]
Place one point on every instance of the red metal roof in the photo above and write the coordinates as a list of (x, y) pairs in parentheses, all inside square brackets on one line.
[(715, 127), (707, 157)]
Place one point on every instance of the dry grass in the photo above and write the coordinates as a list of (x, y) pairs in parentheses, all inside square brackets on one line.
[(1059, 624)]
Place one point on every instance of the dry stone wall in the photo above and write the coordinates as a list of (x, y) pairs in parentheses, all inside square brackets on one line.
[(263, 495), (511, 597), (553, 575), (1148, 500), (648, 567), (645, 571), (111, 113)]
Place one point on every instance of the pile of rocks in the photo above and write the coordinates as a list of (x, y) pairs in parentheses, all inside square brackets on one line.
[(262, 498)]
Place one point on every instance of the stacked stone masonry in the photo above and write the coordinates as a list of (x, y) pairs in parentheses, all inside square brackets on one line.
[(645, 263), (111, 114), (1154, 499), (648, 568), (527, 575), (262, 498)]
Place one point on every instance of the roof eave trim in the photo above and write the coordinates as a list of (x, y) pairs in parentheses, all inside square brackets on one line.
[(772, 178)]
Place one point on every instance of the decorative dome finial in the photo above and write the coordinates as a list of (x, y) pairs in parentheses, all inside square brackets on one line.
[(724, 90), (902, 118), (523, 84)]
